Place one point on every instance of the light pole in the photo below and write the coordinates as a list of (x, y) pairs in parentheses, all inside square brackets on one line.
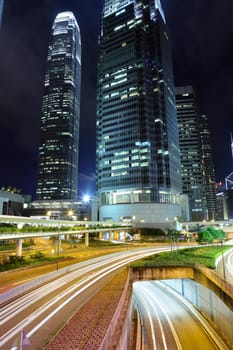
[(70, 214), (48, 214), (223, 262), (58, 239), (58, 249)]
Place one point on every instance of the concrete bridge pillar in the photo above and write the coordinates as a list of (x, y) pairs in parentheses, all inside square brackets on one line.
[(19, 245), (100, 235), (111, 236), (116, 236), (87, 239)]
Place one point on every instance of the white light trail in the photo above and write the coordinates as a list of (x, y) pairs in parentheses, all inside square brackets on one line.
[(85, 283)]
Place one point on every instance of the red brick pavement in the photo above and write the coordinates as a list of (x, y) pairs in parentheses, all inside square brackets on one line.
[(86, 329)]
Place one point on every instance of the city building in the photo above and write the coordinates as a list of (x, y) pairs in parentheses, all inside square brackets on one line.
[(222, 207), (58, 210), (228, 193), (11, 203), (138, 161), (59, 144), (191, 151), (229, 178), (208, 167), (1, 11)]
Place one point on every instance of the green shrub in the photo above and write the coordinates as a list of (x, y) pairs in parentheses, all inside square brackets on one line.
[(37, 256)]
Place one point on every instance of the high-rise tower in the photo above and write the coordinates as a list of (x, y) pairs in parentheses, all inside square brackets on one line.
[(59, 145), (1, 11), (138, 164), (208, 167), (192, 166)]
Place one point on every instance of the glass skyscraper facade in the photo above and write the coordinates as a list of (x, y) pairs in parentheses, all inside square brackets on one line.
[(1, 11), (59, 144), (208, 167), (191, 151), (137, 136)]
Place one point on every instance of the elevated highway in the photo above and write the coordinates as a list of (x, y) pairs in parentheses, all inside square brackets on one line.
[(82, 227), (225, 225)]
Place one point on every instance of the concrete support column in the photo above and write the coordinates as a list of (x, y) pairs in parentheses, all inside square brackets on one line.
[(111, 236), (100, 235), (131, 197), (111, 198), (19, 245), (87, 239), (116, 236)]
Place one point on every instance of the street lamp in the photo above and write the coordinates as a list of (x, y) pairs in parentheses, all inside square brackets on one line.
[(223, 262), (70, 213), (49, 213), (86, 198), (58, 250)]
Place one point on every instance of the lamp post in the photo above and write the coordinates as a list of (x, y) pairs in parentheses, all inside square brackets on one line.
[(58, 247), (223, 262), (48, 214), (70, 214), (58, 239)]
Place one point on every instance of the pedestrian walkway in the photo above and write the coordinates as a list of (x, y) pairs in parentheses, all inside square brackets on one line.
[(87, 328)]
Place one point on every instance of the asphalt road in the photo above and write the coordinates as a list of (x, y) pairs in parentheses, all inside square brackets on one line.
[(224, 265), (168, 325), (47, 307), (169, 322)]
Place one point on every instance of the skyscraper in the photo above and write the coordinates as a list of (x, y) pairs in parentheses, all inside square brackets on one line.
[(138, 164), (208, 167), (191, 151), (1, 11), (59, 144)]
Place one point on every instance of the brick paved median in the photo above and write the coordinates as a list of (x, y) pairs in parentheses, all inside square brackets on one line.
[(87, 328)]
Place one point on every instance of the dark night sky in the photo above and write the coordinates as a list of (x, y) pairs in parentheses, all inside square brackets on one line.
[(202, 44)]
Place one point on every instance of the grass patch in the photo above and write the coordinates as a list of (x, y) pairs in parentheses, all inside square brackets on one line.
[(94, 243), (184, 257), (15, 262)]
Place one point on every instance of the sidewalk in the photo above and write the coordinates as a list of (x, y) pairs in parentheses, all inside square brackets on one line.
[(86, 329)]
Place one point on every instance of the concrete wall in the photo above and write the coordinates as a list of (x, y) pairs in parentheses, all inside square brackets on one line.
[(204, 276), (160, 273), (220, 315)]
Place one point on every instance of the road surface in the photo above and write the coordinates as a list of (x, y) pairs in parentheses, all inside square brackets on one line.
[(169, 322), (224, 264), (47, 307)]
